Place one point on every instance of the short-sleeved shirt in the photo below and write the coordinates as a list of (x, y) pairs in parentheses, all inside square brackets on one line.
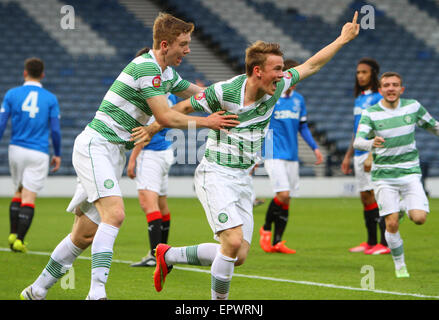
[(281, 138), (30, 107), (363, 101), (399, 157), (124, 106), (239, 148)]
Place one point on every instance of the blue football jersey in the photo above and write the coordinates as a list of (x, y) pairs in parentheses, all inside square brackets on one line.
[(364, 100), (288, 112), (30, 108), (158, 141)]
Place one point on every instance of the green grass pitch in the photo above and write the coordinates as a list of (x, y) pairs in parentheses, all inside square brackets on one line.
[(321, 230)]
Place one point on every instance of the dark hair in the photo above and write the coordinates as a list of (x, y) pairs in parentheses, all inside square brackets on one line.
[(389, 74), (142, 51), (375, 70), (290, 63), (34, 67)]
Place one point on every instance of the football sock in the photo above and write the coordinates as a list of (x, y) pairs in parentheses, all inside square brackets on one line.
[(14, 209), (200, 255), (382, 225), (154, 228), (280, 220), (221, 276), (101, 257), (25, 216), (371, 216), (166, 224), (396, 248), (270, 215), (61, 260)]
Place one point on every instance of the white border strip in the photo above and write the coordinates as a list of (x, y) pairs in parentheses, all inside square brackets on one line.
[(308, 283)]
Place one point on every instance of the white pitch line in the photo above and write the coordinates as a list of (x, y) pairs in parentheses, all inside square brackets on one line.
[(308, 283)]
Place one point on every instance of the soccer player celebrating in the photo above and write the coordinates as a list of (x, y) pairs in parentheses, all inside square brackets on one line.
[(34, 112), (222, 180), (390, 124), (366, 91), (99, 152), (150, 168), (282, 163)]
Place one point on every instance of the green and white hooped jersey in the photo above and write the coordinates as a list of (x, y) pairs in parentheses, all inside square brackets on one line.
[(124, 107), (238, 148), (399, 157)]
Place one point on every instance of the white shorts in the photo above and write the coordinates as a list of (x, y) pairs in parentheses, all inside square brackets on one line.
[(363, 179), (226, 195), (412, 193), (152, 170), (29, 168), (284, 175), (99, 166)]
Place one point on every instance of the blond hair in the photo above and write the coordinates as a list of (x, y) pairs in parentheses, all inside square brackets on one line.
[(168, 28), (257, 53)]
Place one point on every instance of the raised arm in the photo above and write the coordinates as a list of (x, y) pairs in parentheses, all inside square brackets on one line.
[(349, 32)]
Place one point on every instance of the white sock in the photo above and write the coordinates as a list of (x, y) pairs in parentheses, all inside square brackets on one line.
[(200, 255), (61, 260), (395, 243), (221, 275), (101, 257)]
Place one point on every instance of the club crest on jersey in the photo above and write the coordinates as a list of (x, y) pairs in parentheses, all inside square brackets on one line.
[(200, 96), (222, 217), (156, 82), (288, 74), (408, 119)]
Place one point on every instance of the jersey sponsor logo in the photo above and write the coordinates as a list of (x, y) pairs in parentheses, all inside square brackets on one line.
[(285, 114), (223, 217), (200, 96), (262, 109), (288, 74), (156, 82), (108, 183)]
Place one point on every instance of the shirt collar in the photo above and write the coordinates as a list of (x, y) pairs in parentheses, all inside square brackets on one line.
[(368, 91), (33, 83)]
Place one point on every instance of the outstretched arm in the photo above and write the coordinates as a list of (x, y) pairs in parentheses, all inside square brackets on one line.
[(316, 62)]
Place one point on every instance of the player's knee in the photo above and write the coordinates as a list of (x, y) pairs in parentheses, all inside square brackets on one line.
[(392, 225), (418, 218), (83, 240)]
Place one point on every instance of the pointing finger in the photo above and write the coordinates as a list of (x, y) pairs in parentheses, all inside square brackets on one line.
[(354, 20)]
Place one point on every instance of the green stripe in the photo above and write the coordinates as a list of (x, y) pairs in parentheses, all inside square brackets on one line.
[(108, 133), (181, 86), (242, 145), (396, 122), (400, 158), (146, 69), (212, 99), (219, 286), (394, 173), (131, 95), (101, 260), (228, 160), (232, 90), (397, 251), (399, 141), (120, 116), (192, 256), (56, 269)]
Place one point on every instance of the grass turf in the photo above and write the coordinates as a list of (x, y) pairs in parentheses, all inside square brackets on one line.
[(321, 230)]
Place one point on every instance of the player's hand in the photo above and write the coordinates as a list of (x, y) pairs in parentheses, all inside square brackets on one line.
[(346, 166), (378, 142), (319, 157), (141, 135), (131, 169), (55, 163), (218, 121), (350, 30), (367, 164)]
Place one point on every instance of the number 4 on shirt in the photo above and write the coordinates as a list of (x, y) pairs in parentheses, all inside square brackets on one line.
[(30, 104)]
